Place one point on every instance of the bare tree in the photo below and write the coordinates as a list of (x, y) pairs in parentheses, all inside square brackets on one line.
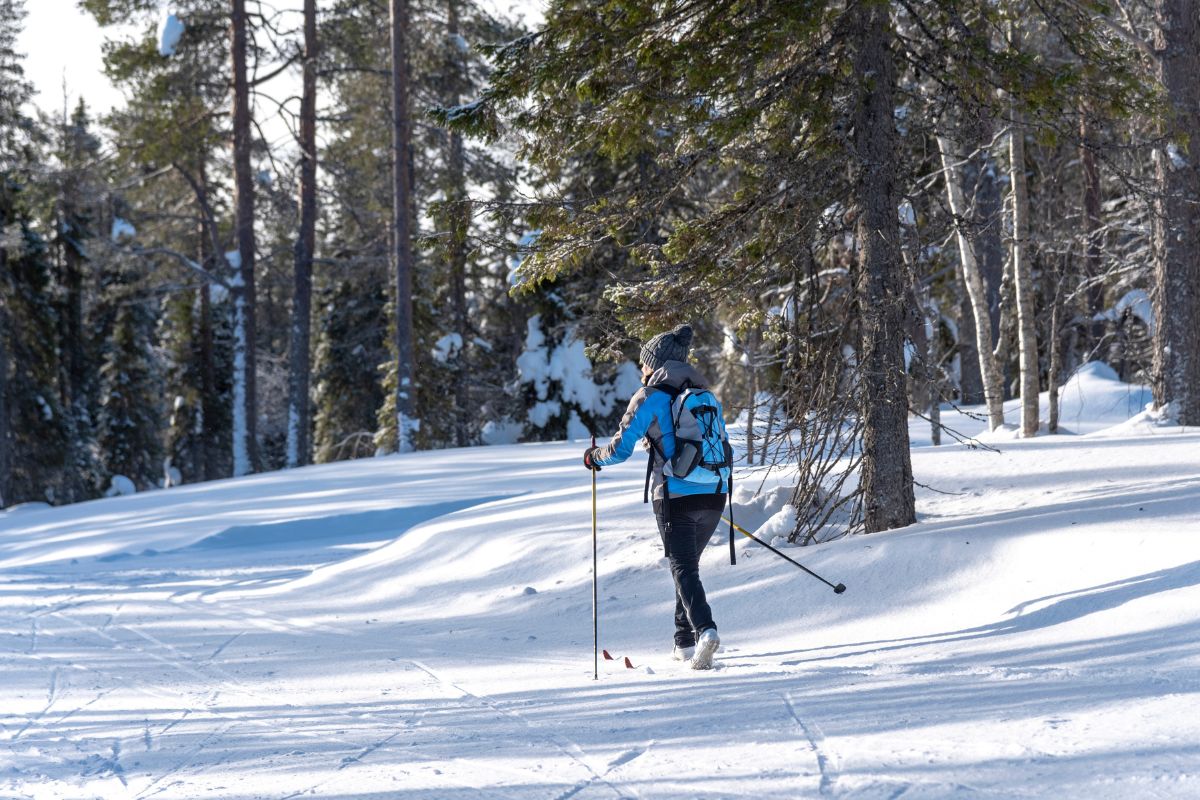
[(1023, 275), (401, 227), (456, 194), (245, 406), (299, 423), (993, 391)]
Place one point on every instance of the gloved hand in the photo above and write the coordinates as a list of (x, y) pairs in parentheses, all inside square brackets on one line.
[(587, 459)]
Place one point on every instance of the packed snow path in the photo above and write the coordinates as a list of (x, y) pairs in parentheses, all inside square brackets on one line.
[(420, 627)]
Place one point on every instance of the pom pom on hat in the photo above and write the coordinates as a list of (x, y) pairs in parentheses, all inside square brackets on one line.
[(668, 346)]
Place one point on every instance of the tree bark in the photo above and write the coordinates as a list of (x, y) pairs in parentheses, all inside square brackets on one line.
[(457, 195), (245, 411), (1093, 298), (993, 391), (983, 214), (299, 422), (1176, 223), (5, 436), (886, 464), (1055, 369), (970, 378), (1023, 275), (401, 227)]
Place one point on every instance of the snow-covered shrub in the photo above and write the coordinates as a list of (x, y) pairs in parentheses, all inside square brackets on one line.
[(120, 486), (564, 396)]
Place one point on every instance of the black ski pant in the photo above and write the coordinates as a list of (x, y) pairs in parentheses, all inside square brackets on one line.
[(693, 520)]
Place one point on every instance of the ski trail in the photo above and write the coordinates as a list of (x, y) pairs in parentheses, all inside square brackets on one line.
[(827, 760), (176, 659), (187, 760), (564, 745), (212, 657), (350, 760), (618, 762), (77, 709), (51, 699)]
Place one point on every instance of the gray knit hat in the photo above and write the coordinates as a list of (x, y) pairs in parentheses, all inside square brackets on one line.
[(668, 346)]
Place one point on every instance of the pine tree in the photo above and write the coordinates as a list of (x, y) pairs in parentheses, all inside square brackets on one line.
[(128, 423), (346, 390)]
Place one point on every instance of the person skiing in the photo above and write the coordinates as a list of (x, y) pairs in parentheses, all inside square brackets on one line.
[(687, 512)]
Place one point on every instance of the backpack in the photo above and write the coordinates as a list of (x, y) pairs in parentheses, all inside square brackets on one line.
[(702, 451)]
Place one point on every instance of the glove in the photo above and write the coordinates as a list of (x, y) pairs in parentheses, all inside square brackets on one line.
[(587, 459)]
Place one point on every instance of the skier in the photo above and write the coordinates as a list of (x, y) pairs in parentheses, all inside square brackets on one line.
[(687, 512)]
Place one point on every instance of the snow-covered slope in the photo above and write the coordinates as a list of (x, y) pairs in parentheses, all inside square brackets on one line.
[(421, 627)]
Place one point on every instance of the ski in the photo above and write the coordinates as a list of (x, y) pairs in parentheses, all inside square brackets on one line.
[(628, 663)]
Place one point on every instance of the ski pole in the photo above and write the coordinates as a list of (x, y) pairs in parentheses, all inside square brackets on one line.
[(595, 591), (841, 587)]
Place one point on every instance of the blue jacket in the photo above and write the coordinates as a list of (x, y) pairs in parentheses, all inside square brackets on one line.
[(649, 416)]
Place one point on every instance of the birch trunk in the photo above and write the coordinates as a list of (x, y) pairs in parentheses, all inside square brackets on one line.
[(299, 422), (886, 467), (1023, 277), (245, 407), (993, 391)]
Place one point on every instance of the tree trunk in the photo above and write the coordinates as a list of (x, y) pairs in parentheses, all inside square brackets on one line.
[(886, 465), (457, 195), (1093, 299), (206, 252), (993, 391), (401, 233), (1176, 224), (970, 383), (245, 406), (1023, 275), (299, 422), (5, 438), (983, 215), (1056, 309)]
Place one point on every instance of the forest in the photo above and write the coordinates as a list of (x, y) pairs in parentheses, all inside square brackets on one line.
[(869, 211)]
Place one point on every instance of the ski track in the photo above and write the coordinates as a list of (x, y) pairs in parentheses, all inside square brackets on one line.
[(214, 674), (566, 746), (189, 708), (827, 761)]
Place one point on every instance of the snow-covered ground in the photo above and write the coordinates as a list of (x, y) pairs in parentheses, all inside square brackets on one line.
[(420, 627)]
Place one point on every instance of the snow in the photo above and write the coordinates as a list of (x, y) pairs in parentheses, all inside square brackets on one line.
[(170, 30), (447, 347), (503, 431), (1176, 158), (120, 485), (419, 626), (569, 368), (122, 229)]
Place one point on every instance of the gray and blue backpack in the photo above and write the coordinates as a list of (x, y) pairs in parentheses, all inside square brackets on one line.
[(703, 454)]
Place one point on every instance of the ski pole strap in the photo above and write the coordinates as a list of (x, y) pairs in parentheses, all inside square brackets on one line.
[(733, 558)]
